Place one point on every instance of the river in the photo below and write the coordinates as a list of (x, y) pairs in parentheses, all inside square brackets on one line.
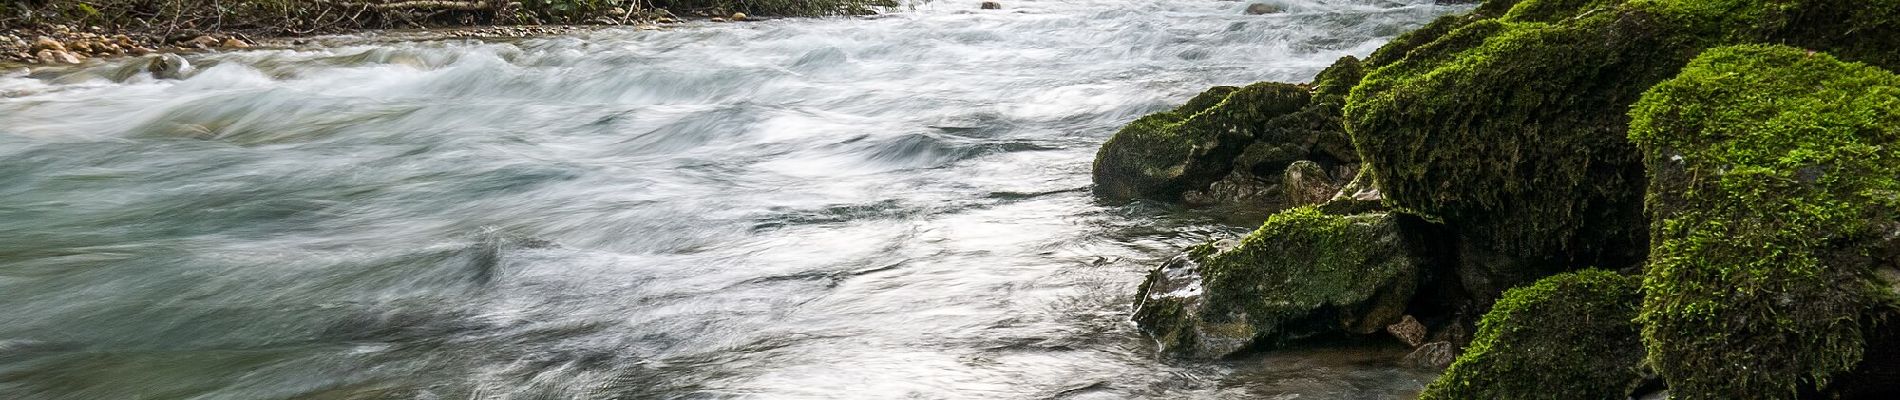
[(866, 208)]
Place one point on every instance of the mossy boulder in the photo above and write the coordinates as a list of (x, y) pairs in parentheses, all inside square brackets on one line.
[(1569, 336), (1508, 125), (1161, 155), (1303, 273), (1775, 188), (1234, 145)]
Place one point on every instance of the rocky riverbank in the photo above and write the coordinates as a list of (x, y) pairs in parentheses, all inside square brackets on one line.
[(1738, 229), (65, 33)]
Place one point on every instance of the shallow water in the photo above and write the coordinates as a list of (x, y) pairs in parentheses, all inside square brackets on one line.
[(886, 207)]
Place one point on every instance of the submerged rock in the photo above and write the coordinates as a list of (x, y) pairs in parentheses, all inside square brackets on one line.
[(168, 66), (991, 5), (1776, 200), (1303, 273), (1263, 8), (1568, 336)]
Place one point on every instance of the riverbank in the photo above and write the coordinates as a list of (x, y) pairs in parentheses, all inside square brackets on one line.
[(72, 32)]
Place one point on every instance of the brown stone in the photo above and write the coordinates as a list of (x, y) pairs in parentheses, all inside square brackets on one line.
[(739, 16), (46, 43), (50, 56), (234, 43), (991, 5), (1408, 330)]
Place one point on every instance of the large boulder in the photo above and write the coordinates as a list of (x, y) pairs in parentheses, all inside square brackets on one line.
[(1303, 273), (1508, 125), (1165, 154), (1775, 190), (1235, 146), (1569, 336)]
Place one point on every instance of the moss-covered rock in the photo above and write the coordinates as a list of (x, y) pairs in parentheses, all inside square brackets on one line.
[(1303, 273), (1234, 146), (1775, 189), (1165, 154), (1508, 126), (1569, 336)]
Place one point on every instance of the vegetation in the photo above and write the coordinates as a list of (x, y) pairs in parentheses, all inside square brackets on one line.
[(1303, 273), (1569, 336), (1234, 146), (1775, 191)]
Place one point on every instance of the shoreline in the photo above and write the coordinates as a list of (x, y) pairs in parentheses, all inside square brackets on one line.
[(64, 40)]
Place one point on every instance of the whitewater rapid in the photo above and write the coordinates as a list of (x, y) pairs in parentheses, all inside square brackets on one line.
[(867, 208)]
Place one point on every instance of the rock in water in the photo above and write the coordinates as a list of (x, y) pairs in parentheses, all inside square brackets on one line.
[(739, 16), (1776, 201), (1263, 8), (1568, 336), (991, 5), (234, 43), (1190, 155), (1162, 155), (1303, 273), (168, 66)]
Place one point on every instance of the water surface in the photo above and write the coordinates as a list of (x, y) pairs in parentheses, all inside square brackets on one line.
[(874, 208)]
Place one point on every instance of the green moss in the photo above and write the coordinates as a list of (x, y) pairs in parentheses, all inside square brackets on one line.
[(1557, 10), (1335, 82), (1305, 272), (1510, 129), (1773, 183), (1569, 336), (1162, 155)]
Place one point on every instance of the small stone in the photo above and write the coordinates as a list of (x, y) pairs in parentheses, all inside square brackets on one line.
[(50, 56), (991, 5), (616, 11), (46, 43), (168, 66), (1408, 330), (1434, 355), (200, 42), (718, 20), (738, 16), (234, 43), (1263, 8)]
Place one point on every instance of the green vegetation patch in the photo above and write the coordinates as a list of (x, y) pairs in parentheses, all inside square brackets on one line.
[(1774, 184), (1569, 336)]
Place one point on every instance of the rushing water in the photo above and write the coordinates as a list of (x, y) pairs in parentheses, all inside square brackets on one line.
[(887, 207)]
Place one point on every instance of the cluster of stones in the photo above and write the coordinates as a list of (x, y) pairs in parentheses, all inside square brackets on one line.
[(1612, 197), (62, 44)]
